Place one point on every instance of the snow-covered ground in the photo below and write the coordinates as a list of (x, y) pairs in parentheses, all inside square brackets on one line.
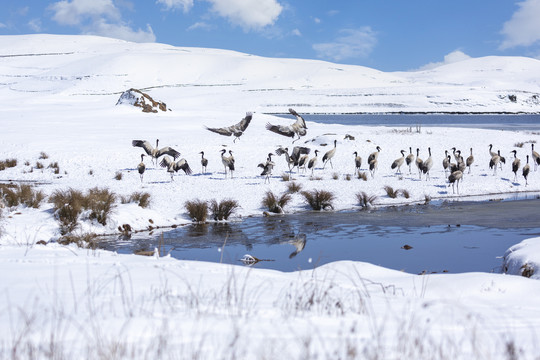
[(58, 97)]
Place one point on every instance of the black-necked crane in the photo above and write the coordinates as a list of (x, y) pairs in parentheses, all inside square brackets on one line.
[(313, 162), (298, 128), (302, 162), (526, 170), (460, 162), (535, 157), (357, 162), (228, 162), (237, 129), (427, 165), (398, 162), (515, 164), (495, 161), (456, 153), (373, 166), (409, 159), (454, 178), (491, 152), (267, 167), (374, 155), (329, 155), (155, 153), (446, 161), (173, 166), (452, 166), (470, 161), (204, 162), (419, 163), (141, 167), (294, 157)]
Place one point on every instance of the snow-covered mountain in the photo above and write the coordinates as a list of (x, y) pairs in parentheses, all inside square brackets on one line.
[(195, 78)]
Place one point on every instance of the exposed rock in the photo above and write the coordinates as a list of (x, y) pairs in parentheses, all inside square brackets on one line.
[(138, 98)]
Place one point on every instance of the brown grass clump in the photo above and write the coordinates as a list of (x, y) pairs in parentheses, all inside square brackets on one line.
[(21, 195), (275, 204), (362, 176), (293, 187), (118, 175), (43, 155), (8, 163), (319, 199), (365, 200), (223, 209), (197, 210), (68, 205), (391, 192), (141, 198), (100, 202), (87, 241), (405, 193)]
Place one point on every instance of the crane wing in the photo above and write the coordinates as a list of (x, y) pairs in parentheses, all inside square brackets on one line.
[(221, 131), (166, 162), (281, 130), (183, 165), (168, 151), (243, 124), (144, 144), (299, 120)]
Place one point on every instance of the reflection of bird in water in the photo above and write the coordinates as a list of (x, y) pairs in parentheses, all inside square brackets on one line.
[(299, 242)]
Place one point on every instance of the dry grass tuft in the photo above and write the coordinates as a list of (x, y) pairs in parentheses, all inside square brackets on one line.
[(223, 209), (100, 202), (362, 176), (391, 192), (43, 155), (365, 200), (68, 205), (335, 176), (8, 163), (141, 198), (405, 193), (293, 187), (275, 204), (39, 165), (118, 175), (87, 241), (319, 199), (197, 210), (21, 195)]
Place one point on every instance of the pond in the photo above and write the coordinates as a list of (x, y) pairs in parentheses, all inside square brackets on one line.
[(459, 236), (484, 121)]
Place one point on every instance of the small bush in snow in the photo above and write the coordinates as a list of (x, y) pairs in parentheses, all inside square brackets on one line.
[(68, 205), (39, 165), (319, 199), (275, 204), (100, 202), (365, 200), (8, 163), (21, 195), (405, 193), (293, 187), (362, 176), (141, 198), (87, 241), (223, 209), (43, 155), (391, 192), (197, 210), (118, 175)]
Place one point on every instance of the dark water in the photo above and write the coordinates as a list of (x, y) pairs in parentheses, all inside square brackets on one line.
[(486, 121), (454, 237)]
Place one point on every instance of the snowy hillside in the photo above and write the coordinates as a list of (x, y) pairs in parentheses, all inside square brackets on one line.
[(194, 78)]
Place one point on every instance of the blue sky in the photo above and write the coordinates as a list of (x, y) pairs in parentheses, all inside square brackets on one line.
[(389, 35)]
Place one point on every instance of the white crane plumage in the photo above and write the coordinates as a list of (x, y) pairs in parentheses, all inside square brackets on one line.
[(329, 155), (357, 162), (398, 162), (313, 162)]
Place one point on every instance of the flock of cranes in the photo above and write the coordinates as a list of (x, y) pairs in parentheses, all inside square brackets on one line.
[(300, 159)]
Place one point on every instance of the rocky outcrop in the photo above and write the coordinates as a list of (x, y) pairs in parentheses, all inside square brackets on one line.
[(137, 98)]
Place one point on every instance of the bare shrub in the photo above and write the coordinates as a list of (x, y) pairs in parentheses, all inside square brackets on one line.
[(362, 176), (293, 187), (365, 200), (335, 176), (223, 209), (319, 199), (118, 175), (68, 205), (141, 198), (8, 163), (348, 177), (100, 202), (43, 155), (39, 165), (391, 192), (275, 204), (405, 193), (21, 194), (55, 167), (197, 210)]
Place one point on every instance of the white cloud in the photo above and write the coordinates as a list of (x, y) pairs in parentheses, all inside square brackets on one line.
[(296, 32), (200, 25), (35, 25), (185, 5), (249, 14), (2, 25), (453, 57), (353, 43), (98, 17), (523, 29)]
